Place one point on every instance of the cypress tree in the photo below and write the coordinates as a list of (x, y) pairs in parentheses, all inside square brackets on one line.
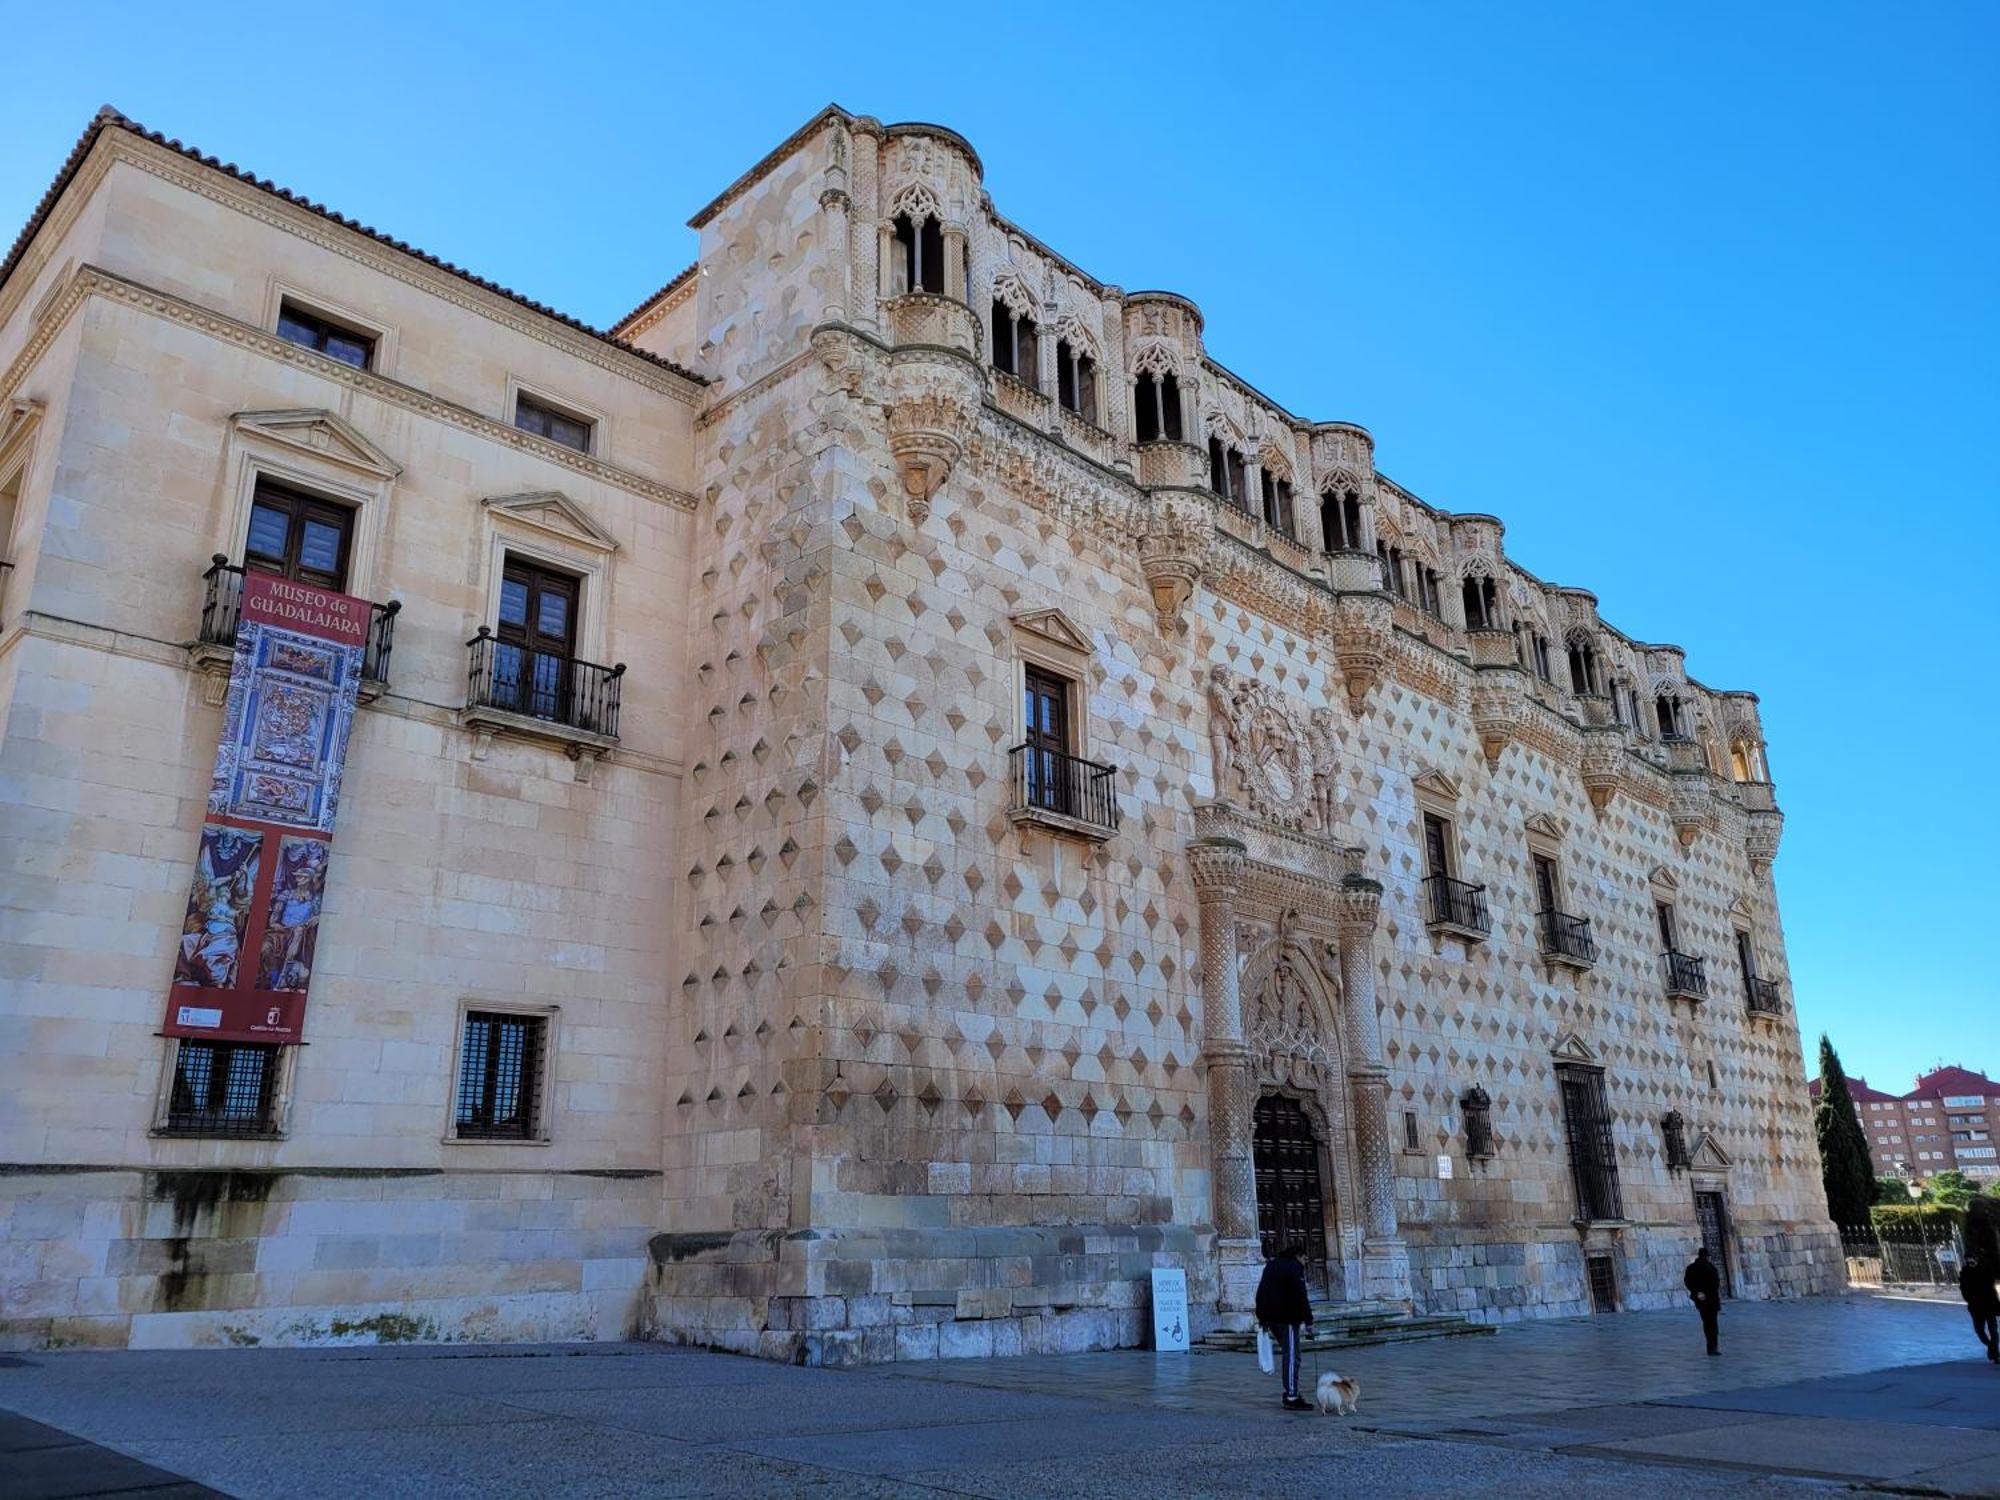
[(1845, 1167)]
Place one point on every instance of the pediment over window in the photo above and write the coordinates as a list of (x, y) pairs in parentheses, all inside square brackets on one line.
[(553, 512), (22, 413), (1436, 783), (1709, 1157), (1665, 879), (1548, 827), (321, 434), (1572, 1048), (1054, 627), (1740, 909)]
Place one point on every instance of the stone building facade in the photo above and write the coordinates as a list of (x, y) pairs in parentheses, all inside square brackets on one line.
[(1059, 814)]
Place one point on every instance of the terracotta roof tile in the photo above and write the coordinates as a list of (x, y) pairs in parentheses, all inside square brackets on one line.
[(109, 118)]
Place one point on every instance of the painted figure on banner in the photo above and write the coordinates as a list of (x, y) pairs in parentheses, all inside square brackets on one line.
[(218, 908), (292, 925)]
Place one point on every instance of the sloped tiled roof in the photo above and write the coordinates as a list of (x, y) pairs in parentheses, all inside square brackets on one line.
[(1953, 1080), (108, 118), (1857, 1086)]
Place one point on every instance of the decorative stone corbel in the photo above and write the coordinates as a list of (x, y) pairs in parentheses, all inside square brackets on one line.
[(1498, 694), (1171, 554), (934, 401), (1760, 839), (1603, 757), (1690, 806), (1364, 625)]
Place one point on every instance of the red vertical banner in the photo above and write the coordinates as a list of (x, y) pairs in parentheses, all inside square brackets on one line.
[(247, 945)]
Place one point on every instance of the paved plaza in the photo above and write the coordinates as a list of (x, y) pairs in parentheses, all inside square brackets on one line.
[(1808, 1397)]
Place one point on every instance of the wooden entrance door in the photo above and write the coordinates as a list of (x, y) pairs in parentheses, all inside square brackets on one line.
[(1291, 1205), (1712, 1215)]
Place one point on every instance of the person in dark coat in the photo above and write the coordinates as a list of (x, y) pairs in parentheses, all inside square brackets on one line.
[(1284, 1308), (1704, 1286), (1982, 1300)]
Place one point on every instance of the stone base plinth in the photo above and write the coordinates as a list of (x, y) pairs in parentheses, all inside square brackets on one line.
[(862, 1296)]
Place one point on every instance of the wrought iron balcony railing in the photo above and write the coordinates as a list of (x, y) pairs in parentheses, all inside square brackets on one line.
[(561, 690), (1687, 976), (1763, 996), (222, 612), (1567, 938), (1456, 904), (1067, 786)]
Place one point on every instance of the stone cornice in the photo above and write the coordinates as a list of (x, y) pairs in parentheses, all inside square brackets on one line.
[(92, 281)]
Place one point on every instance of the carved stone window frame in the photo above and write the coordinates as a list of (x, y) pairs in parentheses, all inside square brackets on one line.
[(526, 526), (1050, 640), (322, 455)]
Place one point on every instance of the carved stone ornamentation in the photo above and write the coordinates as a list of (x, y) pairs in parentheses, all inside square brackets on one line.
[(1760, 838), (1691, 806), (1170, 554), (1602, 762), (1498, 694), (1364, 625), (934, 402), (1271, 748)]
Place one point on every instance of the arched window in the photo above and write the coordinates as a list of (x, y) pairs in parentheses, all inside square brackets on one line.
[(1673, 723), (1228, 475), (1583, 666), (1393, 577), (1156, 407), (1016, 347), (919, 265), (1277, 502), (1482, 604), (1076, 380), (1340, 520)]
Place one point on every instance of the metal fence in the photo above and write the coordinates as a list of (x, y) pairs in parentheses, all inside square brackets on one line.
[(1929, 1254)]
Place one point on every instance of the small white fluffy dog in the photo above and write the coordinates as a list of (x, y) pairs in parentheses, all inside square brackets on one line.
[(1337, 1395)]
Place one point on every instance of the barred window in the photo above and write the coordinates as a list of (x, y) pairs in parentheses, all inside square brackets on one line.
[(1593, 1158), (1673, 1133), (1478, 1108), (500, 1077), (223, 1088)]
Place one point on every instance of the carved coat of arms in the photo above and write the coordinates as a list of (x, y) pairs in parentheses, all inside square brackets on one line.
[(1272, 749)]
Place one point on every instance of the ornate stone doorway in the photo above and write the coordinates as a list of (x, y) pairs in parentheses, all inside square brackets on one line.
[(1291, 1198)]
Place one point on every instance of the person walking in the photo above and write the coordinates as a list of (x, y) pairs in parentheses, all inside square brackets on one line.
[(1284, 1308), (1982, 1300), (1704, 1287)]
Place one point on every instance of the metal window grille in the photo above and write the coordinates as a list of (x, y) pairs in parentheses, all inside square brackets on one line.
[(1603, 1283), (1478, 1108), (223, 1088), (1593, 1157), (499, 1077), (1673, 1132)]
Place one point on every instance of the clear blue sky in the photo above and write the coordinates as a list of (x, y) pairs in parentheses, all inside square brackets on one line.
[(1701, 299)]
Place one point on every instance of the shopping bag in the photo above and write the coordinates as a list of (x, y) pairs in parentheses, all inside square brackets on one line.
[(1267, 1359)]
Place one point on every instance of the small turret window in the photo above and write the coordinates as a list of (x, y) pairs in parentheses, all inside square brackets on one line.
[(1340, 520), (1156, 408), (919, 264), (1076, 380), (1016, 345), (1482, 605), (1277, 502)]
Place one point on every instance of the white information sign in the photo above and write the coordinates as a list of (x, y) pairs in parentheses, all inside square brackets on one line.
[(1170, 1312), (1444, 1166)]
